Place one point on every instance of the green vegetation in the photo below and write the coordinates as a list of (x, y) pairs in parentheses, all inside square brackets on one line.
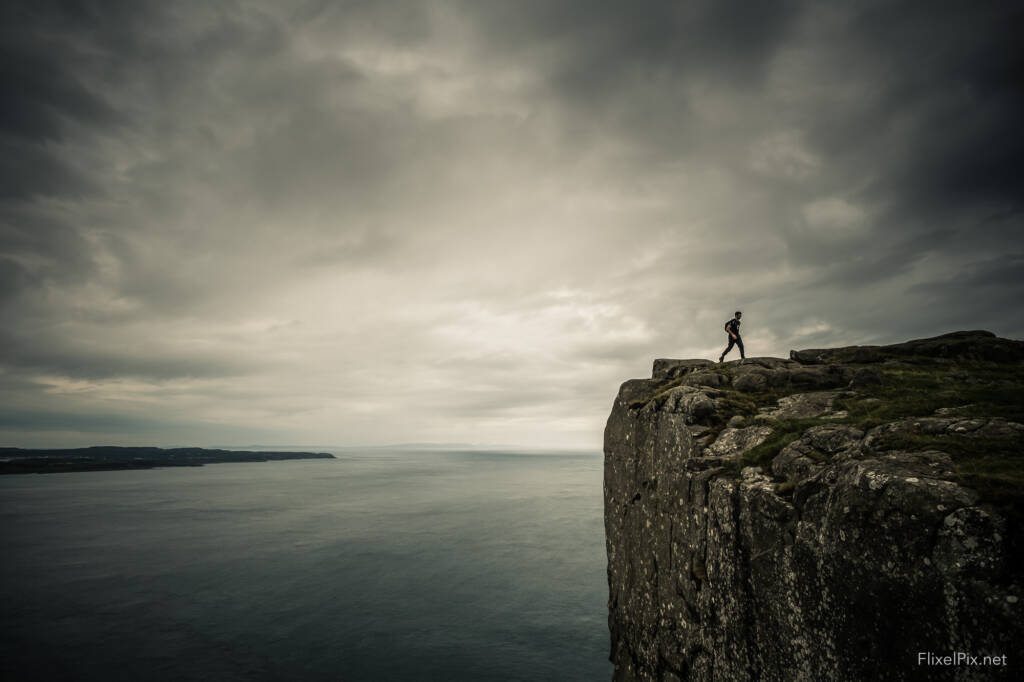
[(993, 467), (980, 389), (784, 432), (913, 388), (730, 402)]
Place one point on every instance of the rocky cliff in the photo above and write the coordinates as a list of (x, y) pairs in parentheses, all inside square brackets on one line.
[(846, 514)]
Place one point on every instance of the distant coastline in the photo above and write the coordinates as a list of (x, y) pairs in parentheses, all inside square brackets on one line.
[(108, 458)]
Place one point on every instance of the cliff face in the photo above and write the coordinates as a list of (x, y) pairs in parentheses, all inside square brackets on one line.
[(836, 515)]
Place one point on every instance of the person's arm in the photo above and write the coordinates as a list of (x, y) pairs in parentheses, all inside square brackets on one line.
[(729, 328)]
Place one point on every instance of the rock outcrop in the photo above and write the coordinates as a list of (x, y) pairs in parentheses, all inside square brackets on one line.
[(846, 514)]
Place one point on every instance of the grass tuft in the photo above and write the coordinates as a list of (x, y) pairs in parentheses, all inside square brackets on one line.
[(784, 432)]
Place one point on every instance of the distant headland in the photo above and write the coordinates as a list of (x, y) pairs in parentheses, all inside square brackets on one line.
[(107, 458)]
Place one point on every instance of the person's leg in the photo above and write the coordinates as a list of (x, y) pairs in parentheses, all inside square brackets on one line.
[(727, 349), (739, 343)]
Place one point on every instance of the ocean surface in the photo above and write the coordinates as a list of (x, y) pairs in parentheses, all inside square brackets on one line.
[(381, 565)]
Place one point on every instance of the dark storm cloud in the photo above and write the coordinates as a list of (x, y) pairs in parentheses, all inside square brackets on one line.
[(996, 288), (45, 47), (617, 70), (41, 97), (26, 420), (47, 246), (950, 71), (934, 129), (45, 354), (28, 170), (404, 220), (608, 42), (35, 428), (930, 144)]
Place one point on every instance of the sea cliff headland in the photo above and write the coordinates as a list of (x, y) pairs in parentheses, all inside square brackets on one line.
[(847, 513)]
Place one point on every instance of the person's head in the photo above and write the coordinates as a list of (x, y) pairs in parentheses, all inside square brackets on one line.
[(738, 314)]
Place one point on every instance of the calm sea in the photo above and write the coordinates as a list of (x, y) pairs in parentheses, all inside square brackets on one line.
[(375, 566)]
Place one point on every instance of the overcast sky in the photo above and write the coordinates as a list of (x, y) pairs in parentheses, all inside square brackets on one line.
[(433, 220)]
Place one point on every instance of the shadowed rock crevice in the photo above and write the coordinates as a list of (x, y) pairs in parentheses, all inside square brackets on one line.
[(828, 516)]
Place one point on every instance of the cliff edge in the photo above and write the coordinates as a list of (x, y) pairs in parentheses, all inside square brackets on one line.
[(845, 514)]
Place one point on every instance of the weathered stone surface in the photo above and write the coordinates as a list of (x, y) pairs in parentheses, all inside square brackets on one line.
[(796, 462), (695, 404), (766, 363), (803, 405), (834, 440), (735, 441), (700, 378), (669, 369), (840, 561), (754, 378), (994, 429), (751, 382)]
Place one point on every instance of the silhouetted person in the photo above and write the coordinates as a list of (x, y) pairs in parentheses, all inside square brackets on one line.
[(732, 328)]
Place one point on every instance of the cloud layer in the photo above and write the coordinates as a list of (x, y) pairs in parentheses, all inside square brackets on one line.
[(469, 221)]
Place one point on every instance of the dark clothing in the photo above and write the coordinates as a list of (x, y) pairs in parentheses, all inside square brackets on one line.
[(738, 342), (732, 327)]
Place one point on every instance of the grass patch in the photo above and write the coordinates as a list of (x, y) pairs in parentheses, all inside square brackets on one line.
[(1000, 487), (960, 448), (737, 403), (783, 433), (984, 389), (992, 467)]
